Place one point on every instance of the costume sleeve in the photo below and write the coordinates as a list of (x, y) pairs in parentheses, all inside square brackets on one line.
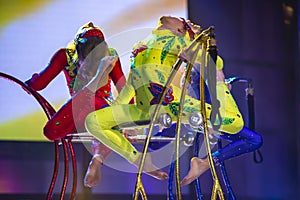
[(55, 66), (219, 63), (127, 93)]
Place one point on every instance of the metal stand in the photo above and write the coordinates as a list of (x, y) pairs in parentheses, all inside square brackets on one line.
[(67, 146)]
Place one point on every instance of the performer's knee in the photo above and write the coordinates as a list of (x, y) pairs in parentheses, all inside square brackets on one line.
[(91, 123), (55, 130), (255, 141)]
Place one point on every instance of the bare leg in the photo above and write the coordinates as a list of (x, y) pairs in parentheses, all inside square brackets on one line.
[(94, 172), (150, 169), (198, 167)]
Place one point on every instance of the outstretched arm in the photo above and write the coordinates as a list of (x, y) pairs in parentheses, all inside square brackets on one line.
[(55, 66)]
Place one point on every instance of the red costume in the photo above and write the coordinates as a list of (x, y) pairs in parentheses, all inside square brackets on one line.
[(70, 118)]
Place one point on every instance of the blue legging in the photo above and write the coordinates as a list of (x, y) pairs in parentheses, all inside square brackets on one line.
[(244, 141)]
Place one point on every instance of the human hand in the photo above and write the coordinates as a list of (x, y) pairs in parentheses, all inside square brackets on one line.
[(220, 76), (207, 36), (30, 81), (130, 133)]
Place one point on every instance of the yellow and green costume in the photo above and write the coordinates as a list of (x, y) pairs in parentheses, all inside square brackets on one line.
[(152, 63)]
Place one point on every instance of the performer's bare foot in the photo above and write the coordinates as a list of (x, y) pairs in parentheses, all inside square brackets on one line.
[(198, 167), (150, 169), (94, 172)]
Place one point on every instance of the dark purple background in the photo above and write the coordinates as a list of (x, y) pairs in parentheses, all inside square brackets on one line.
[(255, 43)]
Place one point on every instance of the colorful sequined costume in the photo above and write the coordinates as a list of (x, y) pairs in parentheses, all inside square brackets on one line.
[(244, 141), (152, 63), (70, 117)]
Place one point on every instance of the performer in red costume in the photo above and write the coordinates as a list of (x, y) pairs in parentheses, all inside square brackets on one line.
[(89, 82)]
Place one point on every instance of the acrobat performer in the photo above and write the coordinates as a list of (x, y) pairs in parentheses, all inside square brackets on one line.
[(152, 62), (245, 141), (81, 63)]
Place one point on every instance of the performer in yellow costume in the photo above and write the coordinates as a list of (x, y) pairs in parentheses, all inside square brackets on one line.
[(151, 65)]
